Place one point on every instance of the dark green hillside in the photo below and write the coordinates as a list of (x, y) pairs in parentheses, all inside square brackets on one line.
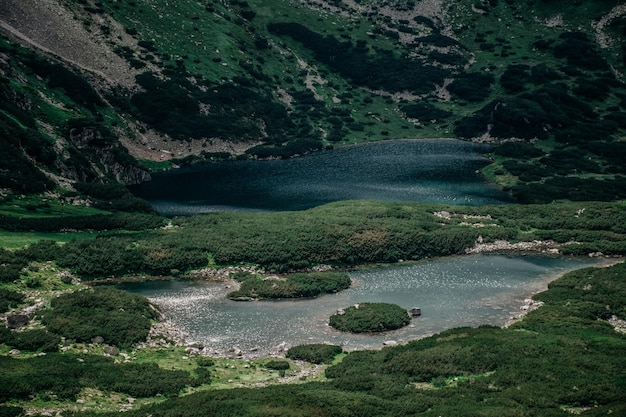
[(281, 78)]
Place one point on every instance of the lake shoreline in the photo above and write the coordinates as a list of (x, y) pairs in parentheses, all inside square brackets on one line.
[(517, 313)]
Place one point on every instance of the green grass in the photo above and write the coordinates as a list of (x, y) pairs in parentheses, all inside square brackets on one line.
[(155, 165), (18, 240), (42, 206)]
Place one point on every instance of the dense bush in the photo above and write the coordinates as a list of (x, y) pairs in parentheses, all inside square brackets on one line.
[(314, 353), (66, 375), (518, 150), (11, 411), (424, 112), (9, 299), (119, 220), (57, 75), (534, 114), (205, 361), (386, 71), (571, 188), (11, 263), (172, 106), (473, 87), (509, 118), (32, 340), (514, 79), (119, 317), (17, 144), (346, 233), (580, 51), (277, 365), (370, 318)]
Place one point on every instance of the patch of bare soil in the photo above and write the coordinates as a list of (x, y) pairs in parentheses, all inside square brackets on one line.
[(603, 39), (62, 29), (153, 146), (55, 29)]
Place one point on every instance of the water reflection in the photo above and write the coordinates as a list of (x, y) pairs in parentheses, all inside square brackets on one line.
[(452, 292)]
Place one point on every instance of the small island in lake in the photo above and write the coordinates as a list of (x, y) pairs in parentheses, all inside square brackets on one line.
[(297, 285), (370, 318)]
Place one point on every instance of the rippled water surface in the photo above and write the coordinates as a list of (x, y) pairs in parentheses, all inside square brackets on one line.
[(434, 171), (452, 292)]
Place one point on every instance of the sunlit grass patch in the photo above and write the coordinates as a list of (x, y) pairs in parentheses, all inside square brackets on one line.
[(40, 206), (17, 240)]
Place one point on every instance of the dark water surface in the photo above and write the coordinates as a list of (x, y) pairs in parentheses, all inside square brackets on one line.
[(431, 171), (452, 292)]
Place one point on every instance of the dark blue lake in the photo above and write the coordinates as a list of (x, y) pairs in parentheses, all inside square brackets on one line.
[(431, 171)]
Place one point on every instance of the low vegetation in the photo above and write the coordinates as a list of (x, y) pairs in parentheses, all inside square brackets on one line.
[(340, 234), (67, 374)]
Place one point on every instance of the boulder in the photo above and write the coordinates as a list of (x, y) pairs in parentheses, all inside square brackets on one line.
[(195, 345), (415, 312), (235, 350), (111, 350), (191, 351), (15, 321)]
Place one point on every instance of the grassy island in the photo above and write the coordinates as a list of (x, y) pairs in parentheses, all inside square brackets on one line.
[(370, 318), (255, 287)]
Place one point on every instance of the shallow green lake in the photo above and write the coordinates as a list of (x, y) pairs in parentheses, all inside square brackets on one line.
[(452, 292)]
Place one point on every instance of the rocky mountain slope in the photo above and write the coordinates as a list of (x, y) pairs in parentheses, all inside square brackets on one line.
[(89, 88)]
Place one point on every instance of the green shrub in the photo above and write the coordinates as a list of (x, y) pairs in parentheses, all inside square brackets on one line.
[(119, 317), (277, 365), (8, 298), (314, 353), (34, 340), (11, 411), (385, 70), (473, 87), (205, 361), (424, 111), (66, 375), (370, 318)]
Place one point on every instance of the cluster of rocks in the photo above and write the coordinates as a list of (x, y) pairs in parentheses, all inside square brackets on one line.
[(320, 268), (164, 334), (223, 274), (618, 324), (529, 305), (544, 246)]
